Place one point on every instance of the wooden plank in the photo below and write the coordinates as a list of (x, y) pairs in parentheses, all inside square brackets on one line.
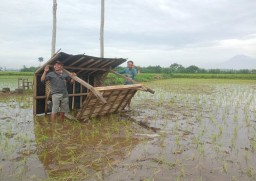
[(119, 87), (117, 99), (122, 100), (105, 64), (80, 59), (73, 97), (84, 106), (94, 63), (85, 64), (69, 116), (34, 95), (80, 68), (122, 106), (81, 97), (88, 86), (133, 81), (70, 95), (94, 107), (103, 106), (120, 92), (108, 106)]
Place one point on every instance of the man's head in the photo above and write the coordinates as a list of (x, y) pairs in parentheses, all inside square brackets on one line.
[(130, 64), (58, 66)]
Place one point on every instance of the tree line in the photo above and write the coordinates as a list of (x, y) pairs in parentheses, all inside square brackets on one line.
[(173, 68), (177, 68)]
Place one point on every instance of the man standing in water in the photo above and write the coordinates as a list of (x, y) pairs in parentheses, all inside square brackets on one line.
[(129, 72), (58, 79)]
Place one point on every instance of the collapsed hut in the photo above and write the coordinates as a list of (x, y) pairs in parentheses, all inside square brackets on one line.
[(87, 95)]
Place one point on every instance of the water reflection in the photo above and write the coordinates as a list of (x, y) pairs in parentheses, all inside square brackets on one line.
[(34, 148), (81, 150)]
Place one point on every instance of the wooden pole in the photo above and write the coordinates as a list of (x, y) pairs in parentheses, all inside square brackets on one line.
[(88, 86), (73, 97), (34, 95), (102, 29), (133, 81), (54, 12)]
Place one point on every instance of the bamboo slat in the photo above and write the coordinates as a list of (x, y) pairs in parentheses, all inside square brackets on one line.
[(116, 98), (88, 86), (133, 81)]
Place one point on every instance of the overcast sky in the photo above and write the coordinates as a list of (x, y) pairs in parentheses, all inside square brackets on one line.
[(150, 32)]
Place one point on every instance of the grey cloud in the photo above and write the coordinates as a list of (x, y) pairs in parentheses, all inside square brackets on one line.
[(162, 25)]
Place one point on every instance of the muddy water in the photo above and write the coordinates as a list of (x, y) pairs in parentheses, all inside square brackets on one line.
[(34, 148), (207, 131), (203, 130)]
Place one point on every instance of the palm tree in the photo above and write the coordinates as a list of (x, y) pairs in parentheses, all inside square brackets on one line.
[(102, 29), (54, 11)]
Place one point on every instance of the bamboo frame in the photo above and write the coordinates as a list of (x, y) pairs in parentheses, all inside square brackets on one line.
[(133, 81), (92, 101), (34, 94), (88, 86)]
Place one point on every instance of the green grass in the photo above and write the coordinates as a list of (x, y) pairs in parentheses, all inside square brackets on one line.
[(16, 73), (113, 79), (10, 79), (216, 76)]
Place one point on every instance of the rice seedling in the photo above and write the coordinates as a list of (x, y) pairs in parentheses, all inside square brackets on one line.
[(225, 167), (200, 120)]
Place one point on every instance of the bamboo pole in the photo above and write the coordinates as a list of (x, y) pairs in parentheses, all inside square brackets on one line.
[(73, 97), (81, 97), (34, 95), (102, 29), (133, 81), (54, 12), (88, 86), (55, 56)]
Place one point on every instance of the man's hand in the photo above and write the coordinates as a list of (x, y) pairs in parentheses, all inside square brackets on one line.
[(46, 68), (73, 74)]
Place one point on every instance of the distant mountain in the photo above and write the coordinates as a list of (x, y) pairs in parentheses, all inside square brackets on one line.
[(239, 62)]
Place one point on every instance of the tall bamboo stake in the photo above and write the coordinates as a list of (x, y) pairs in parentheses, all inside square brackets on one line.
[(102, 29), (54, 22)]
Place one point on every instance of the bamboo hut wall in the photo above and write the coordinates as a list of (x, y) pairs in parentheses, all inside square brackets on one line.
[(117, 98), (90, 69), (40, 95)]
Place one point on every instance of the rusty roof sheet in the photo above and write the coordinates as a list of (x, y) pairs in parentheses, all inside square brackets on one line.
[(83, 64)]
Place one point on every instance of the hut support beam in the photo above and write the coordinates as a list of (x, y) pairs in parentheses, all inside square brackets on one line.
[(88, 86), (133, 81)]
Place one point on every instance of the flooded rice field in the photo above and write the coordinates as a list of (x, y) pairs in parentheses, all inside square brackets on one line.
[(190, 129)]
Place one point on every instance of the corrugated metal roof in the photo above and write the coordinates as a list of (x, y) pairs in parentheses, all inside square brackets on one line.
[(83, 64)]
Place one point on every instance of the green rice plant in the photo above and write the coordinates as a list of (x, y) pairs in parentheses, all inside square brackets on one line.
[(233, 178), (177, 140), (201, 150), (213, 121), (220, 131), (214, 137), (250, 172), (235, 132), (225, 167), (236, 119), (246, 155)]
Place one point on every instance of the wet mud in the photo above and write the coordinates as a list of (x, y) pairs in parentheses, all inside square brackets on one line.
[(188, 130)]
